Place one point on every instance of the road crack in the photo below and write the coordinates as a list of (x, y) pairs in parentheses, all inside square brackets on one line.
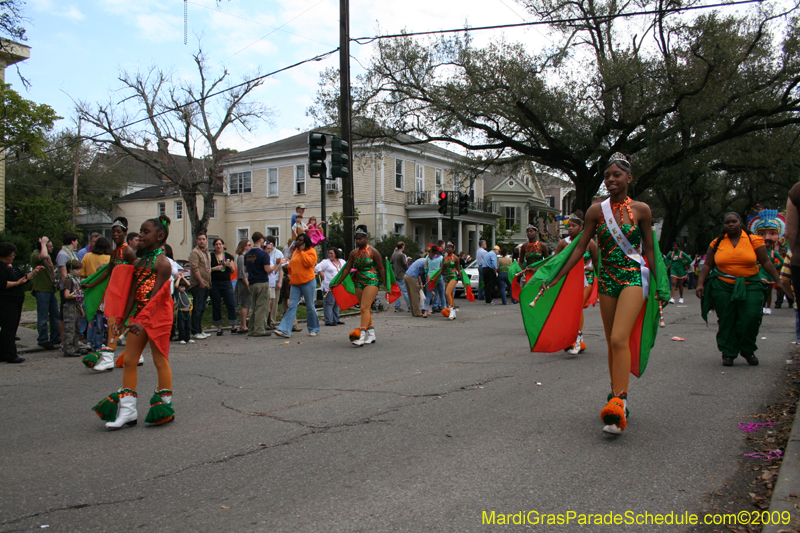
[(70, 508)]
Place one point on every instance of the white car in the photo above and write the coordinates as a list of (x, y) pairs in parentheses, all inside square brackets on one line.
[(472, 271)]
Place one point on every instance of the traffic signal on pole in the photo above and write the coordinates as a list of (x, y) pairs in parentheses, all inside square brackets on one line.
[(316, 156), (443, 202), (463, 203), (340, 158)]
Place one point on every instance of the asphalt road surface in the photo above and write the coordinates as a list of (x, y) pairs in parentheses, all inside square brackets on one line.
[(424, 431)]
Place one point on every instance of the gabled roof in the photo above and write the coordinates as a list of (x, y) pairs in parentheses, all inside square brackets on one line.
[(150, 193), (299, 144)]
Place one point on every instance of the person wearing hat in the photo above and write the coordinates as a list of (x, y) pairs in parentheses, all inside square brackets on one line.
[(299, 210)]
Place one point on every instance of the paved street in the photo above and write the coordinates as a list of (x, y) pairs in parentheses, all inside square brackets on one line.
[(436, 423)]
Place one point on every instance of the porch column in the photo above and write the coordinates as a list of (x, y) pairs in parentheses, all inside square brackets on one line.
[(439, 224), (493, 235), (460, 242)]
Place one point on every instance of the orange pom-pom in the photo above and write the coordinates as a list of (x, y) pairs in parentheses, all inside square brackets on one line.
[(355, 334), (446, 312), (614, 413), (583, 346), (120, 360)]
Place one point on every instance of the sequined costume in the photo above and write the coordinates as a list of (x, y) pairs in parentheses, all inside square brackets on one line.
[(531, 253), (450, 268), (617, 270), (366, 271), (118, 254), (144, 277)]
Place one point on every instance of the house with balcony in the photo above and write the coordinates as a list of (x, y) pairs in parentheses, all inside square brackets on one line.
[(516, 195), (395, 191)]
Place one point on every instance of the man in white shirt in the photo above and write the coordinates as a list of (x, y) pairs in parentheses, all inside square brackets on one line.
[(479, 262), (275, 280)]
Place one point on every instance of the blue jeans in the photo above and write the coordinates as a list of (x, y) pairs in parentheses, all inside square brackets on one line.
[(502, 279), (223, 291), (402, 284), (96, 333), (307, 291), (434, 297), (440, 293), (199, 303), (47, 309), (330, 309)]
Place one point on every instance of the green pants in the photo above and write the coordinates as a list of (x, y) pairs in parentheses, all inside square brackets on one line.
[(259, 301), (739, 320)]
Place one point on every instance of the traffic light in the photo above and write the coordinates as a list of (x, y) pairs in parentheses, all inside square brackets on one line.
[(463, 203), (316, 156), (443, 202), (340, 158)]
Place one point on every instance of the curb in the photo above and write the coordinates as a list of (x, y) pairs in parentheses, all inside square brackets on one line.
[(786, 495)]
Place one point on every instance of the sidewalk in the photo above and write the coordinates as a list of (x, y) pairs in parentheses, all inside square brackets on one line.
[(786, 496)]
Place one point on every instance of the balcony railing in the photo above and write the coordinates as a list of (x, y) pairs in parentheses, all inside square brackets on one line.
[(432, 198)]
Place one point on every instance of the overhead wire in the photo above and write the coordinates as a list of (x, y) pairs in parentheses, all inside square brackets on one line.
[(595, 18)]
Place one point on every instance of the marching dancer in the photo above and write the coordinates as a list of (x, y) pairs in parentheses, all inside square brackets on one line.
[(151, 307), (574, 228), (451, 270)]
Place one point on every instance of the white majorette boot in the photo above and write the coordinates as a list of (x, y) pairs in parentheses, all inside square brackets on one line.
[(370, 338), (362, 336), (106, 362), (141, 360), (452, 313), (161, 410), (118, 409), (576, 346)]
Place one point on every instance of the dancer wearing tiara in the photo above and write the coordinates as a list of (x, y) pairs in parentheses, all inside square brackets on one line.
[(370, 273), (150, 306), (590, 259), (112, 289), (627, 283)]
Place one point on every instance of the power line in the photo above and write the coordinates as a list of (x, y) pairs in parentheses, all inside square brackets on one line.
[(97, 137), (598, 18)]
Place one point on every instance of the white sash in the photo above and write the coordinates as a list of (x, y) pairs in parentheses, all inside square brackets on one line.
[(625, 245)]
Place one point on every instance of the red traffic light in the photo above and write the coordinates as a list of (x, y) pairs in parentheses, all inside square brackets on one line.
[(443, 195)]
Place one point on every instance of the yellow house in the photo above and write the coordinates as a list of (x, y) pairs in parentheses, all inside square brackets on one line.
[(395, 190)]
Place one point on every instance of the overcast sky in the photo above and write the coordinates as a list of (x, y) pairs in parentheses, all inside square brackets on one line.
[(78, 48)]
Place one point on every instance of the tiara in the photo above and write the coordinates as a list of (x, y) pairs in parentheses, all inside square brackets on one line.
[(619, 156)]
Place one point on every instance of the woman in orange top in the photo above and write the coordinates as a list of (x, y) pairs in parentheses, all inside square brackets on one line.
[(735, 289), (304, 283)]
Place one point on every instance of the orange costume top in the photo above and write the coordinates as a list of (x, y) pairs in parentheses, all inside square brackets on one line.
[(301, 266), (741, 261)]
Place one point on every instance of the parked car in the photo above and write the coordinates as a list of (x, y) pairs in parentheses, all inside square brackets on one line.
[(184, 268)]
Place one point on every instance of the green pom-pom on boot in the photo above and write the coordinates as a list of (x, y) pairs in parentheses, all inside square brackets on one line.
[(91, 359), (161, 410), (107, 408)]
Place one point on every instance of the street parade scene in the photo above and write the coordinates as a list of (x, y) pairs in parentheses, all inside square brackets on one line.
[(516, 265)]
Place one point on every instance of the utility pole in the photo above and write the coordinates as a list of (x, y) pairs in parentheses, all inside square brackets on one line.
[(348, 201), (75, 177)]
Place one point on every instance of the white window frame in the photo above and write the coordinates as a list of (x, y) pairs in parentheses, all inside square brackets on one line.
[(240, 185), (213, 214), (516, 216), (178, 209), (419, 177), (300, 177), (161, 209), (238, 238), (438, 181), (277, 234), (401, 175), (277, 182)]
